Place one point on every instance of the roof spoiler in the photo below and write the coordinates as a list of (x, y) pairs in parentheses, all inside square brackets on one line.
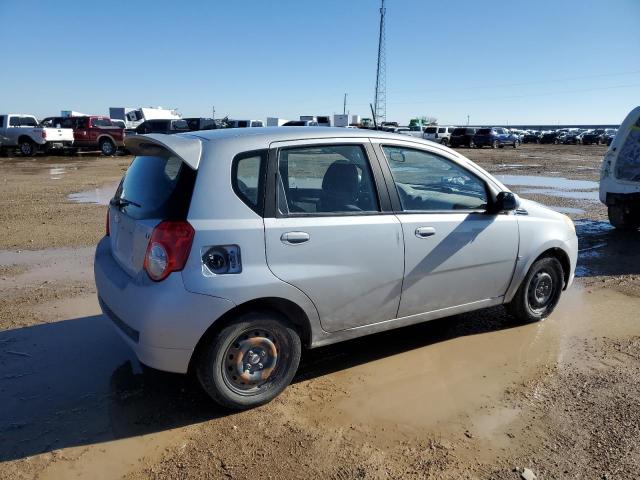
[(187, 148)]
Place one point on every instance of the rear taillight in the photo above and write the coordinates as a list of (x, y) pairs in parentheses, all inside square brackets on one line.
[(106, 224), (44, 133), (168, 249)]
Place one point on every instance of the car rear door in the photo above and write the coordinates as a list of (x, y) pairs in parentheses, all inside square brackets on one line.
[(456, 253), (329, 230)]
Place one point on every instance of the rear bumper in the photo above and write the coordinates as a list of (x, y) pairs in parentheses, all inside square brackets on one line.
[(161, 321)]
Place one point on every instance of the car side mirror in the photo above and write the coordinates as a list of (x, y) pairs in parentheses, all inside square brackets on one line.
[(506, 202), (397, 157)]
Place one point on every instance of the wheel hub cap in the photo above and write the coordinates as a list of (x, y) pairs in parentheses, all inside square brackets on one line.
[(250, 360), (541, 290)]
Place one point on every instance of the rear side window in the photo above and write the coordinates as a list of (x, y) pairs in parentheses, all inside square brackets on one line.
[(101, 122), (158, 187), (442, 130), (247, 179), (323, 180), (14, 121), (484, 131)]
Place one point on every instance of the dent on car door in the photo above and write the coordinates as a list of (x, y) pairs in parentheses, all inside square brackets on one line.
[(456, 253), (328, 235)]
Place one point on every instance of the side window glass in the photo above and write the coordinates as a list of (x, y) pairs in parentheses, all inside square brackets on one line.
[(429, 182), (325, 179), (14, 121), (247, 179)]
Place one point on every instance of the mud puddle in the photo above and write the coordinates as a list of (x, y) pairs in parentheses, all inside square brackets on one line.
[(442, 385), (44, 266), (553, 186), (100, 195)]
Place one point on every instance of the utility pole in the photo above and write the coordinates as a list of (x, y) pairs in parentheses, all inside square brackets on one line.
[(344, 105), (380, 100), (213, 113), (467, 120)]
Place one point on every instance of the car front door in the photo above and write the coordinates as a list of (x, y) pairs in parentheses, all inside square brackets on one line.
[(330, 231), (456, 252)]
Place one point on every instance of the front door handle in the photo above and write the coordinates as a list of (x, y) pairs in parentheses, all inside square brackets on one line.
[(294, 238), (424, 232)]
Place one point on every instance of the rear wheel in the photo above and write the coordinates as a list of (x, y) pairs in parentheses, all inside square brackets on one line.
[(471, 144), (27, 148), (250, 361), (539, 292), (445, 142), (495, 144), (107, 147), (623, 217)]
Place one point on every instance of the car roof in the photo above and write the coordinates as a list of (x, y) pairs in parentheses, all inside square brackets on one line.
[(189, 145)]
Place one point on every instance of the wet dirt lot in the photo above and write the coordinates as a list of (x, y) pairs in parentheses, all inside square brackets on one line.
[(472, 396)]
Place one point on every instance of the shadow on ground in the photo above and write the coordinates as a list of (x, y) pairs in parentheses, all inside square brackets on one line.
[(74, 382)]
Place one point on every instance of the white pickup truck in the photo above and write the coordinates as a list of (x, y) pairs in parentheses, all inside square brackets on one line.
[(22, 131)]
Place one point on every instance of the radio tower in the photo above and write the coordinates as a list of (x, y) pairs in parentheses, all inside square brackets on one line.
[(380, 101)]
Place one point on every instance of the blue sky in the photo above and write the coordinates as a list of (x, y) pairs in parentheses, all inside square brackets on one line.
[(533, 61)]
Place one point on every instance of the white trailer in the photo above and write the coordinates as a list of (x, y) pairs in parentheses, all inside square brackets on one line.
[(340, 120), (355, 119), (276, 121)]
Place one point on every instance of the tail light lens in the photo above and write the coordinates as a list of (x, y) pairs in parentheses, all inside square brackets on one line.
[(168, 249), (107, 231), (44, 133)]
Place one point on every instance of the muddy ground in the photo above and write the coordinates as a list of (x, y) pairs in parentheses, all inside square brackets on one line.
[(472, 396)]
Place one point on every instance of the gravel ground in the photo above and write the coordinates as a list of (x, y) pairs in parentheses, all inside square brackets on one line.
[(471, 396)]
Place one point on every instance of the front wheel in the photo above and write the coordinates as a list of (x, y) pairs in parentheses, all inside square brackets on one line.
[(250, 361), (495, 144), (516, 143), (539, 292), (444, 142), (623, 217)]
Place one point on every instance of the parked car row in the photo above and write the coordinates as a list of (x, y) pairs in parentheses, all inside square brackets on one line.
[(574, 136)]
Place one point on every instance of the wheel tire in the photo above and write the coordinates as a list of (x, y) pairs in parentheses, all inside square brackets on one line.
[(495, 144), (539, 292), (107, 148), (623, 218), (223, 357), (445, 142), (27, 148), (516, 143)]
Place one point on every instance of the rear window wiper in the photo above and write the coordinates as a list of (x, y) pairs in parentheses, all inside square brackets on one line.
[(123, 202)]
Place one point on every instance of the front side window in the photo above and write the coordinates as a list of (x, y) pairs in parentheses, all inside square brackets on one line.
[(247, 176), (324, 180), (429, 182)]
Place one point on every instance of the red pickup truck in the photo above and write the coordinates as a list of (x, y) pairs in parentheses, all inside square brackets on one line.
[(91, 132)]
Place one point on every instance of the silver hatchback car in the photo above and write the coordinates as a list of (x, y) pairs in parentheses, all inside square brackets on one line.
[(228, 251)]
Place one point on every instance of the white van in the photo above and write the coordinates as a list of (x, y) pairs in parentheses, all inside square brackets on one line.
[(439, 134), (245, 123), (620, 175)]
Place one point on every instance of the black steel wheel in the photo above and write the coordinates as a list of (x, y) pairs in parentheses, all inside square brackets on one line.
[(539, 292), (250, 361)]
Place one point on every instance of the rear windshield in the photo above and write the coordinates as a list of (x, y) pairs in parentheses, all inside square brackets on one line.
[(101, 122), (430, 130), (157, 187), (484, 131)]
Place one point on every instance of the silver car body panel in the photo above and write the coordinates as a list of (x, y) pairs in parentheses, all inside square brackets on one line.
[(358, 274)]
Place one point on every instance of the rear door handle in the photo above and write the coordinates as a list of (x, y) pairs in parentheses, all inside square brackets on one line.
[(424, 232), (294, 238)]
